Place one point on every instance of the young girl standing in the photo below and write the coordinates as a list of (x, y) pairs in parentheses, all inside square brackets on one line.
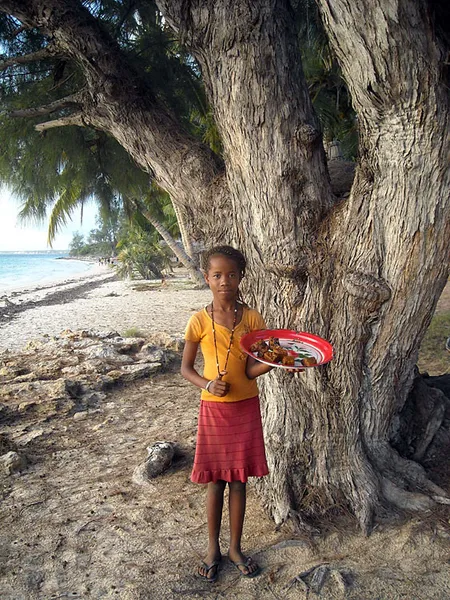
[(230, 445)]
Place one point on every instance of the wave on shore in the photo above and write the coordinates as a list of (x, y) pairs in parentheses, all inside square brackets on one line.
[(24, 269)]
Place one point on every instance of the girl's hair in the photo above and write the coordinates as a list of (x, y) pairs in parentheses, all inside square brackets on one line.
[(228, 252)]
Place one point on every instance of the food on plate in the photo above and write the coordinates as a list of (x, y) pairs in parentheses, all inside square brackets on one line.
[(259, 348), (287, 348), (288, 361), (309, 361), (271, 351)]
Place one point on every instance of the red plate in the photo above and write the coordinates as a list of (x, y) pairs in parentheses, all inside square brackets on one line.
[(298, 343)]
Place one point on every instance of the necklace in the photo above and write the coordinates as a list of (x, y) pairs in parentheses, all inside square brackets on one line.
[(219, 372)]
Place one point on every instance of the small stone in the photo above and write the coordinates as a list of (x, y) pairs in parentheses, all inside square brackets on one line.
[(127, 345), (11, 462), (160, 456), (29, 436), (24, 406), (133, 372), (151, 353), (107, 353), (80, 416)]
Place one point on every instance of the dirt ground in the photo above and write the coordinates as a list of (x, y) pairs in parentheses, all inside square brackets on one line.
[(74, 525)]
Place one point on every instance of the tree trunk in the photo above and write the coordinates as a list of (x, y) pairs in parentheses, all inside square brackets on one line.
[(194, 272), (364, 273), (185, 236)]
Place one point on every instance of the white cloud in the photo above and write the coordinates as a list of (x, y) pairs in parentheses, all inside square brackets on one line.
[(15, 236)]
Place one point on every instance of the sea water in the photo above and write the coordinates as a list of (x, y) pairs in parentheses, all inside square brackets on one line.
[(20, 270)]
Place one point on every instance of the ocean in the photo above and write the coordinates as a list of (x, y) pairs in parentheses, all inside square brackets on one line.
[(31, 269)]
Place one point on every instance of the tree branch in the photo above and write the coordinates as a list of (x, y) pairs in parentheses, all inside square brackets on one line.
[(115, 89), (67, 102), (27, 58), (75, 119)]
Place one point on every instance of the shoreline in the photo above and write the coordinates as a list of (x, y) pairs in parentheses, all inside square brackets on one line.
[(98, 301), (90, 267), (38, 289)]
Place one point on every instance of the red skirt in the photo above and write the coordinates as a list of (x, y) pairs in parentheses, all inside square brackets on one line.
[(230, 443)]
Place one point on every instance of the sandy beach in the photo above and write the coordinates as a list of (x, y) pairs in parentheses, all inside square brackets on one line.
[(99, 301)]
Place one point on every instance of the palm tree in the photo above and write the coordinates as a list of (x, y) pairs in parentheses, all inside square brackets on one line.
[(141, 254)]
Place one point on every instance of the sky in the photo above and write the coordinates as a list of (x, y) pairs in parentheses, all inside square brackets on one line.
[(15, 236)]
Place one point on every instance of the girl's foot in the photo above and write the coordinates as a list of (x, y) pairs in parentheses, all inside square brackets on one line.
[(210, 572), (245, 565), (209, 568)]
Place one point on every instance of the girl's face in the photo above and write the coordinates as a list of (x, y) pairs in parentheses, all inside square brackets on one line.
[(223, 277)]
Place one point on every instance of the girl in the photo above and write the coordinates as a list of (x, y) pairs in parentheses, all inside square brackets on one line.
[(230, 445)]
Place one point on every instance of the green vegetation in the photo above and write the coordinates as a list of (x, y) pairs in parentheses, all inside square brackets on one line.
[(101, 241), (59, 169), (135, 244), (133, 332), (141, 255), (433, 358), (328, 90)]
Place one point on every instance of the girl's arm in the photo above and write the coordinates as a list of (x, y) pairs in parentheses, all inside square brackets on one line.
[(255, 368), (217, 388), (187, 365)]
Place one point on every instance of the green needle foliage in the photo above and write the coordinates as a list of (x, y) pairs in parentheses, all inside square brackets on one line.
[(56, 172), (329, 93)]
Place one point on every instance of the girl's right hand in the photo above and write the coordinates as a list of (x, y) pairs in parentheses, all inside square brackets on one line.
[(218, 387)]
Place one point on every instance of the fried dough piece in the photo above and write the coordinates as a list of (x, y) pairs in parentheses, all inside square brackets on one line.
[(280, 350), (309, 361), (260, 347), (288, 361), (273, 341), (269, 356)]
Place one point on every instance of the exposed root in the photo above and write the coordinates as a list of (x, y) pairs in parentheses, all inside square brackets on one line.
[(403, 499), (407, 475), (441, 499)]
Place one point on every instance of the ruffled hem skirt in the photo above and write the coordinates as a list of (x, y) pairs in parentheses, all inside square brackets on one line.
[(230, 443)]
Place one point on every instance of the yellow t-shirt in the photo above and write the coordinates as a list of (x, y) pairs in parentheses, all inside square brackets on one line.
[(199, 329)]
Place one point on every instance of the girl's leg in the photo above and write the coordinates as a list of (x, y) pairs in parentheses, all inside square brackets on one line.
[(237, 502), (214, 506)]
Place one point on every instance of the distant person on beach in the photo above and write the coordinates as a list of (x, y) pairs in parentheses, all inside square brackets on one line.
[(230, 444)]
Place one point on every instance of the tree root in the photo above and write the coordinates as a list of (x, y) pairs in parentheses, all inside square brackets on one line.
[(404, 483), (424, 417), (403, 499)]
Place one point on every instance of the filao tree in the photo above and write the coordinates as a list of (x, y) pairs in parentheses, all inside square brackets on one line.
[(364, 272)]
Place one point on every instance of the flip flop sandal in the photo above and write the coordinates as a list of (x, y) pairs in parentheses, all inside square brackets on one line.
[(246, 565), (208, 568)]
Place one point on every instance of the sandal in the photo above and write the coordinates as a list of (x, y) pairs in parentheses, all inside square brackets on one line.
[(215, 564), (245, 565)]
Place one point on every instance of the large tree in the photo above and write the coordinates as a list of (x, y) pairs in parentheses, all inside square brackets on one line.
[(364, 272)]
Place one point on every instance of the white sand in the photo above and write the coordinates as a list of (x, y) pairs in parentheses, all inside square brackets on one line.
[(108, 305)]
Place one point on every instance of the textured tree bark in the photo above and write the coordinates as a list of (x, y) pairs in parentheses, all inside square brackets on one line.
[(364, 273)]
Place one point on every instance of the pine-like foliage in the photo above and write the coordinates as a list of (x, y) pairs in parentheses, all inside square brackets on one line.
[(57, 171)]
